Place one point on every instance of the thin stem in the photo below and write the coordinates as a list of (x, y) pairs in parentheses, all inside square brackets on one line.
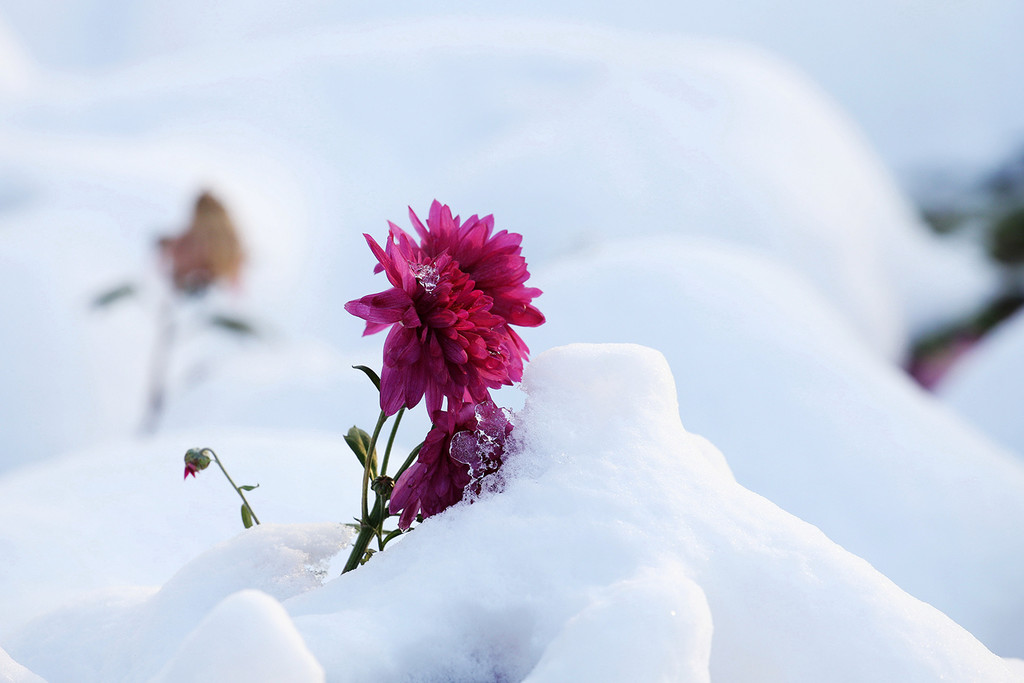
[(232, 482), (362, 541), (391, 440), (366, 466), (408, 461), (159, 362)]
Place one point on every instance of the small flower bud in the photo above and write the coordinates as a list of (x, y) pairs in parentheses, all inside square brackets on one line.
[(383, 486), (195, 461)]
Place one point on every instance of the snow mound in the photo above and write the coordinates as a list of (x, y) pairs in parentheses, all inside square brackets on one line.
[(598, 644), (618, 538), (247, 638), (770, 373), (99, 510), (987, 385), (130, 634), (614, 522), (12, 672)]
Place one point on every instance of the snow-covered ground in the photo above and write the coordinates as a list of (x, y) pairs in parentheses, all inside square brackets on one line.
[(622, 547), (701, 197)]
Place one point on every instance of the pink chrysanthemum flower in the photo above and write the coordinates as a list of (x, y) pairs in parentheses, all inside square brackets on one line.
[(465, 445), (493, 260), (445, 342)]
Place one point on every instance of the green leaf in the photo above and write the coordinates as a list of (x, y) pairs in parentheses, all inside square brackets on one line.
[(369, 373), (359, 441), (247, 516), (116, 294), (247, 487), (232, 324)]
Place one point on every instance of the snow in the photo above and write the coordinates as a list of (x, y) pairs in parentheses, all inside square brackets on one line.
[(579, 135), (694, 194), (987, 386), (613, 520), (101, 509), (810, 420), (247, 637), (134, 633), (12, 672)]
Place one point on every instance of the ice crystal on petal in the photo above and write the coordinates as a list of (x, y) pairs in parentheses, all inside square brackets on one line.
[(426, 275), (457, 457)]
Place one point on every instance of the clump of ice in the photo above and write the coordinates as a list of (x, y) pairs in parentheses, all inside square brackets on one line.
[(427, 275)]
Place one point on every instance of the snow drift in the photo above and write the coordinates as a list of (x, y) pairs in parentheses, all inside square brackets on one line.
[(621, 546), (809, 419)]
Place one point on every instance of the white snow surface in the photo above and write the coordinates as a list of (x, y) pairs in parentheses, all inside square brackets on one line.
[(619, 541), (809, 419), (697, 196), (987, 386), (12, 672), (221, 648)]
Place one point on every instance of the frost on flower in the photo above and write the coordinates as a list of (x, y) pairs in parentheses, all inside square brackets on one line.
[(465, 445)]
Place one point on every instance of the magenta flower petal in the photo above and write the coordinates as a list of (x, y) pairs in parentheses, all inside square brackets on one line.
[(465, 445), (454, 297)]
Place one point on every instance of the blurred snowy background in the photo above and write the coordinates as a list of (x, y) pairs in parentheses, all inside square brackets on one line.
[(795, 205)]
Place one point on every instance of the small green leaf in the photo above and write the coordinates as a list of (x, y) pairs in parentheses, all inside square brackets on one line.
[(233, 324), (369, 373), (113, 295), (247, 487), (247, 516), (359, 442)]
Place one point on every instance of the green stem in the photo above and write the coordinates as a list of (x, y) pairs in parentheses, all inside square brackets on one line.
[(366, 466), (362, 542), (159, 363), (358, 549), (408, 461), (391, 440), (232, 482)]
